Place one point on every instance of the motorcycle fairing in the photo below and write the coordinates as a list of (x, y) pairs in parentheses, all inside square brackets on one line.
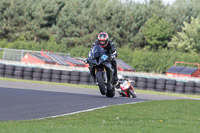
[(98, 61)]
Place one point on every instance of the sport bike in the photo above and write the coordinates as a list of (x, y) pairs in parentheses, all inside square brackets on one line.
[(125, 89), (102, 70)]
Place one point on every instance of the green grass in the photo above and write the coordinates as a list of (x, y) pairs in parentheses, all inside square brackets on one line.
[(170, 116)]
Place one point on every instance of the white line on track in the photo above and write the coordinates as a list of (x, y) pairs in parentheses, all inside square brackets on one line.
[(87, 110)]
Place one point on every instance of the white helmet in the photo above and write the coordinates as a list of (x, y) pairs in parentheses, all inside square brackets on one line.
[(120, 77)]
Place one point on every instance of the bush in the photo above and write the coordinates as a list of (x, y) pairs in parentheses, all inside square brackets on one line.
[(31, 45), (79, 51), (154, 61)]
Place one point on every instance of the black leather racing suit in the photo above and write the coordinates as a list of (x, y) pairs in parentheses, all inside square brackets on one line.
[(111, 52)]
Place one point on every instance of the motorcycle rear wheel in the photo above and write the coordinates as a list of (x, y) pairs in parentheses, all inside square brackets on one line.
[(99, 77)]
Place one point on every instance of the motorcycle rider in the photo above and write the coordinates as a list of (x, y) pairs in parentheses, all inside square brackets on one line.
[(104, 42), (121, 79)]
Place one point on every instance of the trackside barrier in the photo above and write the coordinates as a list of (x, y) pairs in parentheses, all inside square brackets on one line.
[(78, 77)]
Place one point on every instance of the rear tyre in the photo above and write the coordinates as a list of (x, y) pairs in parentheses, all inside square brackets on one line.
[(132, 94), (99, 77)]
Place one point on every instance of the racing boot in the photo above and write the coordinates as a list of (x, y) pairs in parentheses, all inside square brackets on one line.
[(115, 77), (114, 64)]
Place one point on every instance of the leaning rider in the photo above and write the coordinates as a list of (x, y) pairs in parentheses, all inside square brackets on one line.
[(104, 42)]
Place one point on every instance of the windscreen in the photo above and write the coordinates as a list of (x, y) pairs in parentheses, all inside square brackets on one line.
[(97, 51)]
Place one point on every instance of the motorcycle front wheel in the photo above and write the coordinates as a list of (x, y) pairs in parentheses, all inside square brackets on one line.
[(132, 93), (100, 80), (111, 93)]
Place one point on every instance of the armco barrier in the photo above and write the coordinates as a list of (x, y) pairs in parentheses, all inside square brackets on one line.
[(78, 77)]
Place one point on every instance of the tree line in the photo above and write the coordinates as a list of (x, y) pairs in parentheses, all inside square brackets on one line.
[(150, 25)]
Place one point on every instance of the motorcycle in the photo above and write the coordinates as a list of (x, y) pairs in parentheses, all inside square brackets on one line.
[(102, 70), (126, 89)]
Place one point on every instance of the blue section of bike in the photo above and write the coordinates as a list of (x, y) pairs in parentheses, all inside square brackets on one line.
[(104, 57)]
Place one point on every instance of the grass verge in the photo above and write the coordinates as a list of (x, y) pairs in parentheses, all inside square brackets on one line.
[(169, 116)]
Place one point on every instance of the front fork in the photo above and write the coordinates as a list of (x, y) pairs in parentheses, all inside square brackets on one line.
[(105, 77), (104, 74), (94, 70)]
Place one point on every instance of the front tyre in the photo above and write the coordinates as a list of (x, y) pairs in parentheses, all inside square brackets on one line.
[(100, 80), (132, 93), (111, 92)]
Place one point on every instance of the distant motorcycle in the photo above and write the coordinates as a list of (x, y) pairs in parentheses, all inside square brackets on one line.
[(102, 70), (126, 89)]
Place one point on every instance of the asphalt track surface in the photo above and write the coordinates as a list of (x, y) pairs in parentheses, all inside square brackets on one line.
[(24, 101)]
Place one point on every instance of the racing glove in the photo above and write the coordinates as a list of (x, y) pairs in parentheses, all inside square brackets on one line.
[(112, 56)]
